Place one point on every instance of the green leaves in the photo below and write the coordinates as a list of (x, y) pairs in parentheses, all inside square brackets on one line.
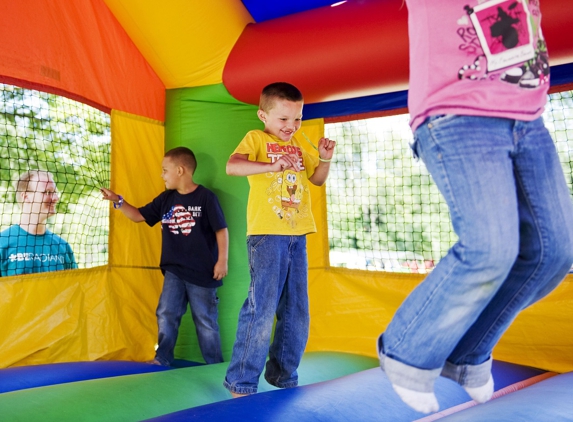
[(71, 140)]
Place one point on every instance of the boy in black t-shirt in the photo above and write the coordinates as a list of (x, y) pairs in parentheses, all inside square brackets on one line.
[(193, 257)]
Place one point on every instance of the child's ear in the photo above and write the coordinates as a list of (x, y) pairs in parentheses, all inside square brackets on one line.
[(262, 116)]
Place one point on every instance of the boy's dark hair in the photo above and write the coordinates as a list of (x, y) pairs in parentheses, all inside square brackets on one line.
[(278, 90), (184, 157)]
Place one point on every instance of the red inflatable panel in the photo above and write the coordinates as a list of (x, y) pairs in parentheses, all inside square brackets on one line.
[(353, 50), (358, 48), (557, 20), (77, 49)]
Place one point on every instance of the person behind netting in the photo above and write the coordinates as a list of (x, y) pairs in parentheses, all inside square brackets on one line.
[(29, 247), (194, 254), (479, 77), (279, 217)]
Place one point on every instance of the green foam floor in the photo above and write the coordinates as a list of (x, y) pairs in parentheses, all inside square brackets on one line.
[(144, 396)]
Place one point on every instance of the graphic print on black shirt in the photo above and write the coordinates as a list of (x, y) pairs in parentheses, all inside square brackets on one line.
[(179, 220)]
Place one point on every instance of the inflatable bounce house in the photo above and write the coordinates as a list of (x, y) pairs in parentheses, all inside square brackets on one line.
[(73, 343)]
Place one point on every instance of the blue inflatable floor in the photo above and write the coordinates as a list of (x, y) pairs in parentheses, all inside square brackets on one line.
[(23, 377), (113, 396), (363, 396), (334, 387)]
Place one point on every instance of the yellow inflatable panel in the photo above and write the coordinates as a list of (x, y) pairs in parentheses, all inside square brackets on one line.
[(136, 155), (107, 312), (196, 37), (79, 315), (351, 308)]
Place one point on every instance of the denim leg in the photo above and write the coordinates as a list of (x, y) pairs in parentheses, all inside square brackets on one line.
[(204, 310), (269, 259), (292, 324), (470, 160), (172, 306), (545, 253), (272, 260)]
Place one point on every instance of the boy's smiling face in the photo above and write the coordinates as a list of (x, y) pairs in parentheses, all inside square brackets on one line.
[(283, 119)]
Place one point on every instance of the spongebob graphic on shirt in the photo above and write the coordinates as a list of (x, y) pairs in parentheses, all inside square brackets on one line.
[(279, 202), (290, 195), (285, 193)]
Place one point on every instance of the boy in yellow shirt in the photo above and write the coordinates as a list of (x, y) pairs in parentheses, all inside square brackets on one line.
[(279, 217)]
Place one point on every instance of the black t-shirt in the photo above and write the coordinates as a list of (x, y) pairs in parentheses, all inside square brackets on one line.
[(188, 225)]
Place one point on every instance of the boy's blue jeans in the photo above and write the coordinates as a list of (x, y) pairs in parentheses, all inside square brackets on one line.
[(279, 271), (512, 211), (175, 296)]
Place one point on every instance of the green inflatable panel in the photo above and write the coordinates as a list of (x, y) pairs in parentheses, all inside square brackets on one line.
[(212, 123)]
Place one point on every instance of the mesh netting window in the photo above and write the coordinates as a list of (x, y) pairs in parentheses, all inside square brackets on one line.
[(384, 211), (54, 157)]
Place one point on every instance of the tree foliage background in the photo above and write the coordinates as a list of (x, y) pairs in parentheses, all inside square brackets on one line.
[(384, 211), (72, 141)]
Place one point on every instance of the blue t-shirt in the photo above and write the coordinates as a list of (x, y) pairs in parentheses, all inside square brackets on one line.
[(188, 226), (25, 253)]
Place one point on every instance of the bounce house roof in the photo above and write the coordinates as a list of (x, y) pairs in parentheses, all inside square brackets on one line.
[(333, 51)]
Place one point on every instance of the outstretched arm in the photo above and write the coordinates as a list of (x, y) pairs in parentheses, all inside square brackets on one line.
[(126, 208)]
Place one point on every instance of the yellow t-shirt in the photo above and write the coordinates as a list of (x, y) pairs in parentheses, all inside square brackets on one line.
[(279, 203)]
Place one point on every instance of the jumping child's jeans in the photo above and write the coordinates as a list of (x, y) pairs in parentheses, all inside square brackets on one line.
[(279, 272), (172, 306), (512, 212)]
